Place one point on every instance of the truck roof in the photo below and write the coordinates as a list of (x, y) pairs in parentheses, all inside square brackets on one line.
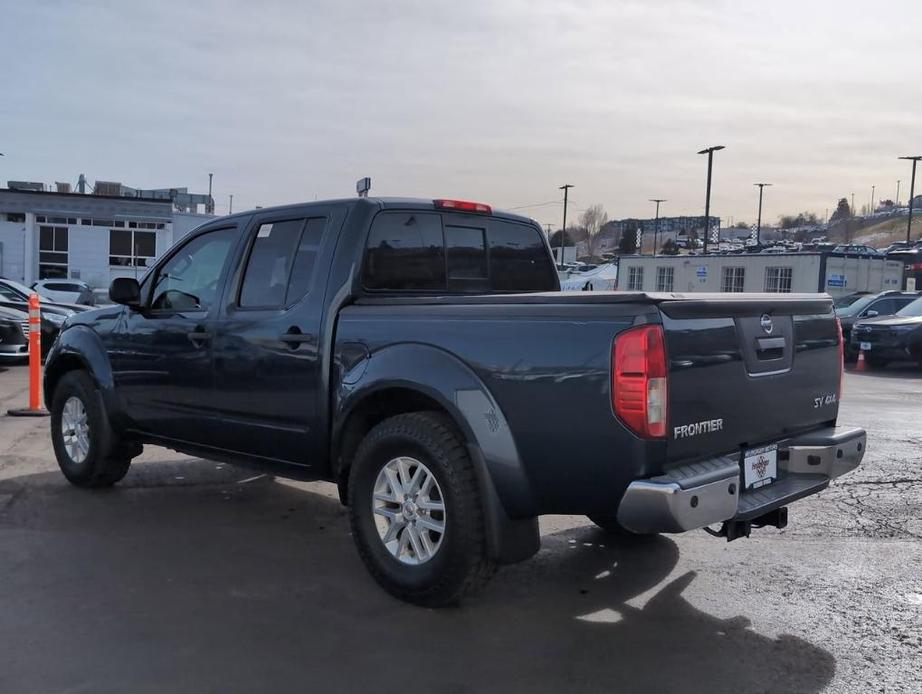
[(383, 203)]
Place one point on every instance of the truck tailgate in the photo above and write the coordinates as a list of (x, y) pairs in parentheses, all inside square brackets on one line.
[(748, 370)]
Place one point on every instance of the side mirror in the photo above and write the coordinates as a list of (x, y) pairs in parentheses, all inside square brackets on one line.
[(125, 291), (872, 313)]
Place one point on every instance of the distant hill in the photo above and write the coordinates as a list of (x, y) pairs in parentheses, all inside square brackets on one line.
[(886, 232)]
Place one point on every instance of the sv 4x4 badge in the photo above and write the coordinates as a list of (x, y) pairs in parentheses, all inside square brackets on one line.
[(824, 400)]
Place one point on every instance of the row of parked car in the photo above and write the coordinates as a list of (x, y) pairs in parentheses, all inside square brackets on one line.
[(14, 314), (886, 326)]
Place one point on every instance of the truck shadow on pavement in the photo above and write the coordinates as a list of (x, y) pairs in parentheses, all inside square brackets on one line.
[(183, 579)]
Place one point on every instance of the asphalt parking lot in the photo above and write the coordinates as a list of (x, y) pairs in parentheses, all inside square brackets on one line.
[(193, 576)]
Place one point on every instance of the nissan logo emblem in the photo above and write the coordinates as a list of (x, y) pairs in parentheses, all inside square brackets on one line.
[(766, 322)]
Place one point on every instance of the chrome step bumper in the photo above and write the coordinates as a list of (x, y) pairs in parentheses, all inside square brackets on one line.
[(706, 492)]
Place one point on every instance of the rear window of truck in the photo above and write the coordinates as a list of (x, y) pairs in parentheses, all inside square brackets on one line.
[(416, 251)]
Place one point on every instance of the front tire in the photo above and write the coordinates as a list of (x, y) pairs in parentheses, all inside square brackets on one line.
[(416, 512), (89, 453)]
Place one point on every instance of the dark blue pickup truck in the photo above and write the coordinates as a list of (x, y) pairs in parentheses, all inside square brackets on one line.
[(420, 355)]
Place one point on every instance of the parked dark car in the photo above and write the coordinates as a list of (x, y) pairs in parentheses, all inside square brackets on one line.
[(892, 338), (16, 296), (14, 326), (871, 306), (420, 355)]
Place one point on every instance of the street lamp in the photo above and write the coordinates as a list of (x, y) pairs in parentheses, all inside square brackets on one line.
[(656, 223), (707, 200), (563, 232), (871, 211), (912, 192), (759, 222)]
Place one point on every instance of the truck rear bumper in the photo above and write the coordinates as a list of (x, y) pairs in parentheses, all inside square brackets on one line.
[(706, 492)]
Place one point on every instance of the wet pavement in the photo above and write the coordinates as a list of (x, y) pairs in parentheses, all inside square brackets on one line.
[(193, 576)]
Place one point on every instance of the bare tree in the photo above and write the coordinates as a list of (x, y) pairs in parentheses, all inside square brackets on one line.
[(592, 220)]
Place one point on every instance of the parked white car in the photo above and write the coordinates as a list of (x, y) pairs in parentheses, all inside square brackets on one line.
[(66, 290)]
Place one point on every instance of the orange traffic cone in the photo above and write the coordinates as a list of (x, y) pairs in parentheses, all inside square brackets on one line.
[(861, 365)]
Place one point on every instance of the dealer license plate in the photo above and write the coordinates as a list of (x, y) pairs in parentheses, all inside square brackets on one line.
[(865, 346), (760, 466)]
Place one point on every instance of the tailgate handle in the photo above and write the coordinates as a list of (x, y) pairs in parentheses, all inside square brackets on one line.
[(770, 348), (770, 343)]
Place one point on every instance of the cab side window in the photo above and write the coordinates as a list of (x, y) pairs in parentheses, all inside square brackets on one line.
[(189, 280)]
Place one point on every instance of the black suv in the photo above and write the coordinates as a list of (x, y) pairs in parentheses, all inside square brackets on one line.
[(870, 306), (890, 338)]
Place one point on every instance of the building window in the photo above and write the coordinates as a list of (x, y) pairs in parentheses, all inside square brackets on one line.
[(131, 248), (635, 279), (732, 279), (665, 279), (778, 279), (39, 218), (15, 216), (52, 252)]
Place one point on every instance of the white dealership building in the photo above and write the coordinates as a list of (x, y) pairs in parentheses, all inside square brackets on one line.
[(91, 237), (833, 273)]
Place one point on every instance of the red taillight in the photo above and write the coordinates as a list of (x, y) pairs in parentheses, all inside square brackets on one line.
[(463, 206), (639, 382), (914, 267), (841, 359)]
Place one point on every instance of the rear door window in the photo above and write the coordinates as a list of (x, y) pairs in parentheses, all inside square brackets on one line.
[(302, 270), (265, 279)]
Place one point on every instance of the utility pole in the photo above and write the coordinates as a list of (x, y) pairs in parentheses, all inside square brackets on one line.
[(871, 211), (853, 204), (209, 208), (230, 207), (563, 232), (897, 192), (707, 199), (655, 224), (912, 193), (759, 221)]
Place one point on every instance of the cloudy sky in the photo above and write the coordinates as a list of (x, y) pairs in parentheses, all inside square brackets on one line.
[(500, 101)]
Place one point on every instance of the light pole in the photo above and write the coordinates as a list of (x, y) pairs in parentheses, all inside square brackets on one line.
[(897, 192), (707, 199), (656, 223), (871, 211), (912, 192), (759, 221), (563, 232)]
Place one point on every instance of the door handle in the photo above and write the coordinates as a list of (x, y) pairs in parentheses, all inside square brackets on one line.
[(199, 336), (294, 338)]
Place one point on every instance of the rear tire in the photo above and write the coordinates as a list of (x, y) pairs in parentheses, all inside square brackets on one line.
[(394, 508), (89, 453)]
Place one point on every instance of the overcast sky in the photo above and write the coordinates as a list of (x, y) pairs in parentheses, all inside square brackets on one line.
[(500, 101)]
